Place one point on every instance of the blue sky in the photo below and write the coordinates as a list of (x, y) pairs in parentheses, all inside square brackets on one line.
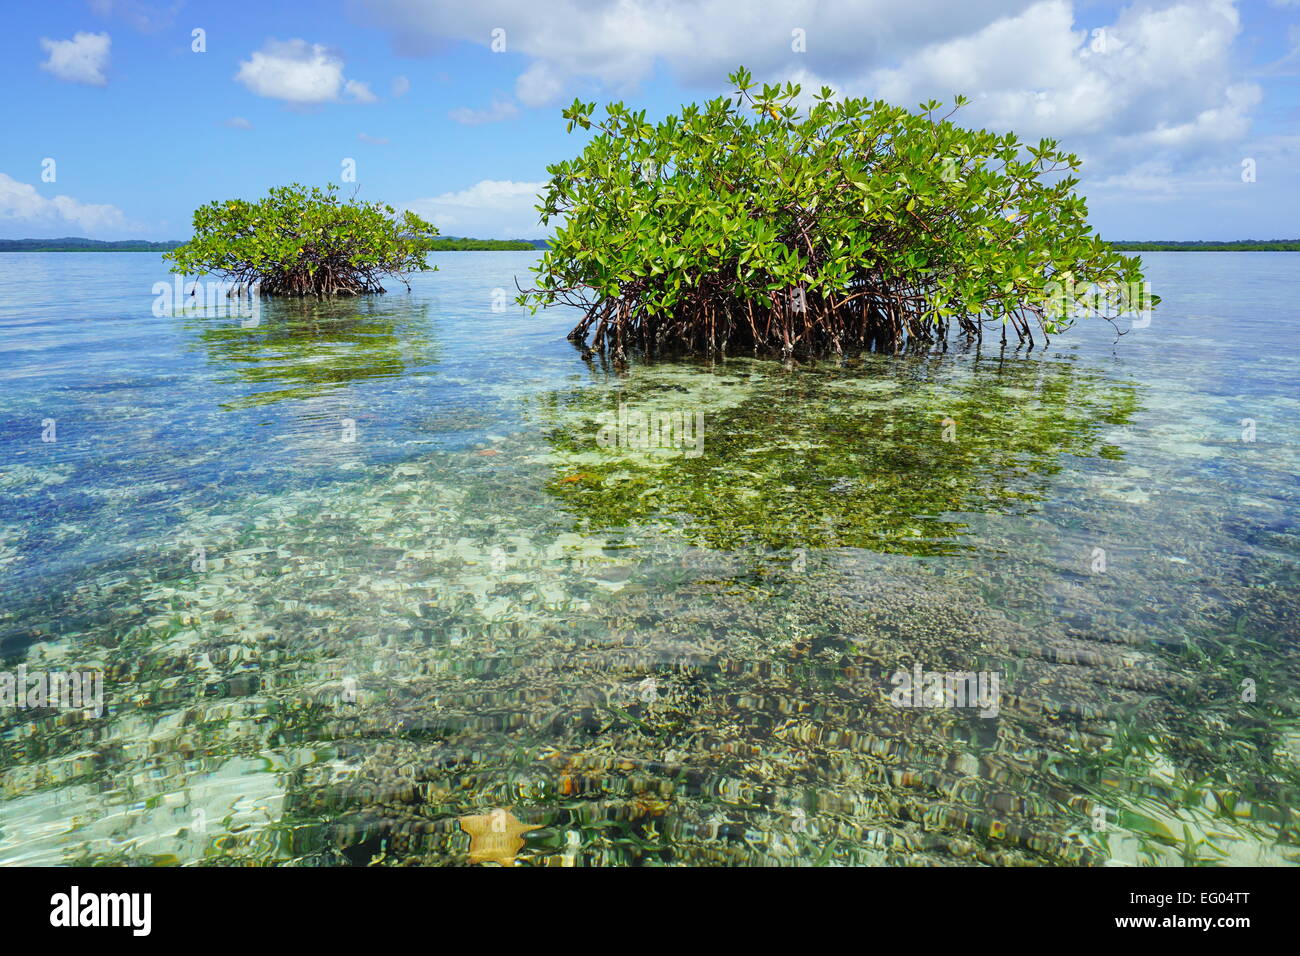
[(1172, 104)]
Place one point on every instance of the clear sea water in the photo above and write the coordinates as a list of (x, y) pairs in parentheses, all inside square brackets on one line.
[(386, 581)]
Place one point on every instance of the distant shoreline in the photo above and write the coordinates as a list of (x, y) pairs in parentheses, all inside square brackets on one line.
[(1243, 245), (77, 244)]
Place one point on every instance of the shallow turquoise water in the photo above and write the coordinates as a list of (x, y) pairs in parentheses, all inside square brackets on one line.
[(367, 578)]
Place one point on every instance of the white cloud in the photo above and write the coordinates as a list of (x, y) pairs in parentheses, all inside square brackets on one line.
[(490, 209), (498, 111), (300, 73), (20, 202), (83, 59), (1151, 199), (538, 85), (1160, 76), (360, 92), (238, 122), (373, 140), (401, 86), (619, 42), (1273, 160)]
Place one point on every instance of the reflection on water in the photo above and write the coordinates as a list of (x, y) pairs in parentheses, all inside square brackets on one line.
[(878, 453), (477, 634), (300, 349)]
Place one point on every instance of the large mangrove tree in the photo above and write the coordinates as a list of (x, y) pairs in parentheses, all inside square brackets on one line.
[(751, 223)]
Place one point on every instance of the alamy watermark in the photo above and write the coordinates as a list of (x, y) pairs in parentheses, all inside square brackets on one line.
[(978, 690), (644, 429), (63, 690), (213, 299), (1066, 298), (75, 909)]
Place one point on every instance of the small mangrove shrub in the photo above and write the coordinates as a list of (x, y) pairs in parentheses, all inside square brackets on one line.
[(299, 241), (748, 223)]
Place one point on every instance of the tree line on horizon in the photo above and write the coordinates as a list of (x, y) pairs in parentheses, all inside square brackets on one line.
[(80, 244)]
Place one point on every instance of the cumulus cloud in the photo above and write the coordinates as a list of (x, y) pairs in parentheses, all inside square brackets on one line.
[(1249, 192), (21, 203), (498, 111), (1159, 76), (83, 59), (490, 209), (619, 42), (300, 74), (1272, 161)]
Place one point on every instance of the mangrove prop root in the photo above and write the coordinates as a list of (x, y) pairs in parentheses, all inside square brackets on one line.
[(872, 314)]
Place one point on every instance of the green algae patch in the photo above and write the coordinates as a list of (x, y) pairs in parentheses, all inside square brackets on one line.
[(827, 456)]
